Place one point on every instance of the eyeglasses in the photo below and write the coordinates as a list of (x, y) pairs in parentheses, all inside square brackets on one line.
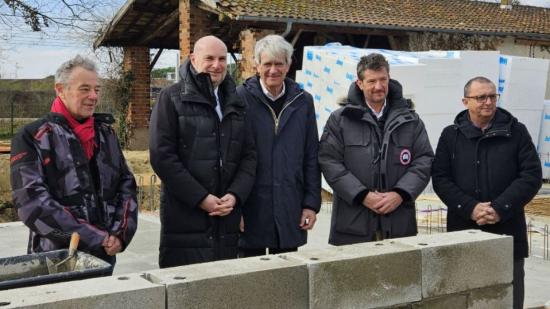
[(483, 98)]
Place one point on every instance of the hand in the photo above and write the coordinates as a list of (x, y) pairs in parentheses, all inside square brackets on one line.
[(241, 225), (389, 202), (112, 245), (209, 203), (480, 210), (307, 221), (371, 199), (491, 217)]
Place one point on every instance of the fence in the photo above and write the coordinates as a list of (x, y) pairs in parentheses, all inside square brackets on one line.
[(18, 108)]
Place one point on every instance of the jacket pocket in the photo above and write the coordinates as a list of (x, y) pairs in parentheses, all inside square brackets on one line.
[(351, 219)]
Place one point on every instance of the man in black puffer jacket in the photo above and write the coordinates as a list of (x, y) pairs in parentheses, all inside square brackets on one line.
[(205, 157), (486, 169), (376, 156)]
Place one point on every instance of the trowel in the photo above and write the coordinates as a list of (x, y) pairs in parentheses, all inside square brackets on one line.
[(69, 262)]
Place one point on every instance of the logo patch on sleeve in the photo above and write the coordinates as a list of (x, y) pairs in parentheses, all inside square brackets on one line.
[(405, 157)]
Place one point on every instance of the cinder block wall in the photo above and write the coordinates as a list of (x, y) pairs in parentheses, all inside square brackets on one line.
[(468, 269)]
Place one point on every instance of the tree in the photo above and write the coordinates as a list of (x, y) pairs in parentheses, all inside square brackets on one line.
[(40, 14)]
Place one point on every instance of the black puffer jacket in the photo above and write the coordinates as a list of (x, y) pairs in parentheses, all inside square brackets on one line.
[(500, 166), (196, 154), (288, 178), (356, 155)]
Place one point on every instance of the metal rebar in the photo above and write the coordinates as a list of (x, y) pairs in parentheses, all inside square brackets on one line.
[(140, 190), (152, 186)]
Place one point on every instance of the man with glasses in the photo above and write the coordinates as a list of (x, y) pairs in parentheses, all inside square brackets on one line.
[(486, 169)]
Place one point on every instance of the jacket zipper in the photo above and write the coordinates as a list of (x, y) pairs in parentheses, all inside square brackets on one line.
[(276, 119)]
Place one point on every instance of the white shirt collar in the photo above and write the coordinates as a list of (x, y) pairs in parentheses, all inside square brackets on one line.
[(381, 113), (268, 94)]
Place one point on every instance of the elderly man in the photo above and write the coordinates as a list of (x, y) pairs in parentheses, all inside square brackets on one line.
[(287, 191), (486, 169), (376, 156), (204, 155), (68, 172)]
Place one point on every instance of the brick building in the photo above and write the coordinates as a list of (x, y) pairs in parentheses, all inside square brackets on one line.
[(141, 25)]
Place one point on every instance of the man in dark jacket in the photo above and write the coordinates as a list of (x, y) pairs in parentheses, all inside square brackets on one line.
[(486, 170), (287, 191), (376, 156), (68, 173), (205, 158)]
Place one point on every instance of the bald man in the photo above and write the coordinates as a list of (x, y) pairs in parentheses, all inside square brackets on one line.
[(204, 154)]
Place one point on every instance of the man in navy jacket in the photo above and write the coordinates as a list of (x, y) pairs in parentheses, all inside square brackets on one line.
[(287, 192)]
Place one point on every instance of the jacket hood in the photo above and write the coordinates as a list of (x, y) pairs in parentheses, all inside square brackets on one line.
[(395, 95), (502, 120)]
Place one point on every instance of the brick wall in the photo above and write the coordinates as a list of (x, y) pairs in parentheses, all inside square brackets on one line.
[(194, 24), (136, 61), (248, 39)]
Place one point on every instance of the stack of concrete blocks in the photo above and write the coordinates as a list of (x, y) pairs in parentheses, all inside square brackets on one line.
[(468, 269), (544, 141), (522, 85)]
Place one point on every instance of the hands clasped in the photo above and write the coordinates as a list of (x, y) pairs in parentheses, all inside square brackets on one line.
[(112, 245), (382, 203), (219, 206), (484, 213)]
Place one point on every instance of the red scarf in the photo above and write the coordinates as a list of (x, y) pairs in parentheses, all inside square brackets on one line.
[(84, 131)]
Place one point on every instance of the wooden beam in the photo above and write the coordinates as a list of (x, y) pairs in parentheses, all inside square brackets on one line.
[(163, 28), (156, 58)]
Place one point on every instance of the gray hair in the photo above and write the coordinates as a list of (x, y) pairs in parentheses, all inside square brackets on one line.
[(373, 62), (274, 45), (479, 79), (64, 71)]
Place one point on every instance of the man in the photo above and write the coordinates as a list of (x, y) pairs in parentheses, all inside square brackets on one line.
[(376, 156), (205, 157), (486, 170), (68, 173), (287, 191)]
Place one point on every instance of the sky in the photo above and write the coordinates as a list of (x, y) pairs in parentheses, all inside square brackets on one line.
[(24, 54)]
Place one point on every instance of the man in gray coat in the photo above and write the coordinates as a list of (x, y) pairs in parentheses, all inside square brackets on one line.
[(376, 156)]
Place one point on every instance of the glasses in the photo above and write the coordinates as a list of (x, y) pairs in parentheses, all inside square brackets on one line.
[(483, 98)]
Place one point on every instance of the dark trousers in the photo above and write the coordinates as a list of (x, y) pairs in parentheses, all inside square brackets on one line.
[(249, 252), (518, 283)]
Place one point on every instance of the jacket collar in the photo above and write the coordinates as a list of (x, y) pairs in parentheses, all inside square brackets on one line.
[(99, 118), (501, 124), (197, 87), (253, 86)]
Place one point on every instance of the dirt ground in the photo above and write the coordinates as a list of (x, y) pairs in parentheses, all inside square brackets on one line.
[(150, 188)]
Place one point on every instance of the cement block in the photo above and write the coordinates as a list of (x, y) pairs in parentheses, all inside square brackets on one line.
[(127, 291), (491, 297), (368, 275), (456, 301), (460, 261), (258, 282)]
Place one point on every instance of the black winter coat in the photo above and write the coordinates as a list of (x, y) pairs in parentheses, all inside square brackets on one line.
[(356, 156), (500, 166), (288, 178), (196, 154)]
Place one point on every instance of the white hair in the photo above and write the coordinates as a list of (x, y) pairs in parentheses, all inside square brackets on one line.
[(64, 71), (273, 45)]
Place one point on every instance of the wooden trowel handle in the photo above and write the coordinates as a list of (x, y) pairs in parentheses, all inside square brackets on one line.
[(75, 238)]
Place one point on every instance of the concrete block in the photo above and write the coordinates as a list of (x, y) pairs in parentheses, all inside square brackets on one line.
[(257, 282), (491, 297), (368, 275), (460, 261), (457, 301), (127, 291)]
